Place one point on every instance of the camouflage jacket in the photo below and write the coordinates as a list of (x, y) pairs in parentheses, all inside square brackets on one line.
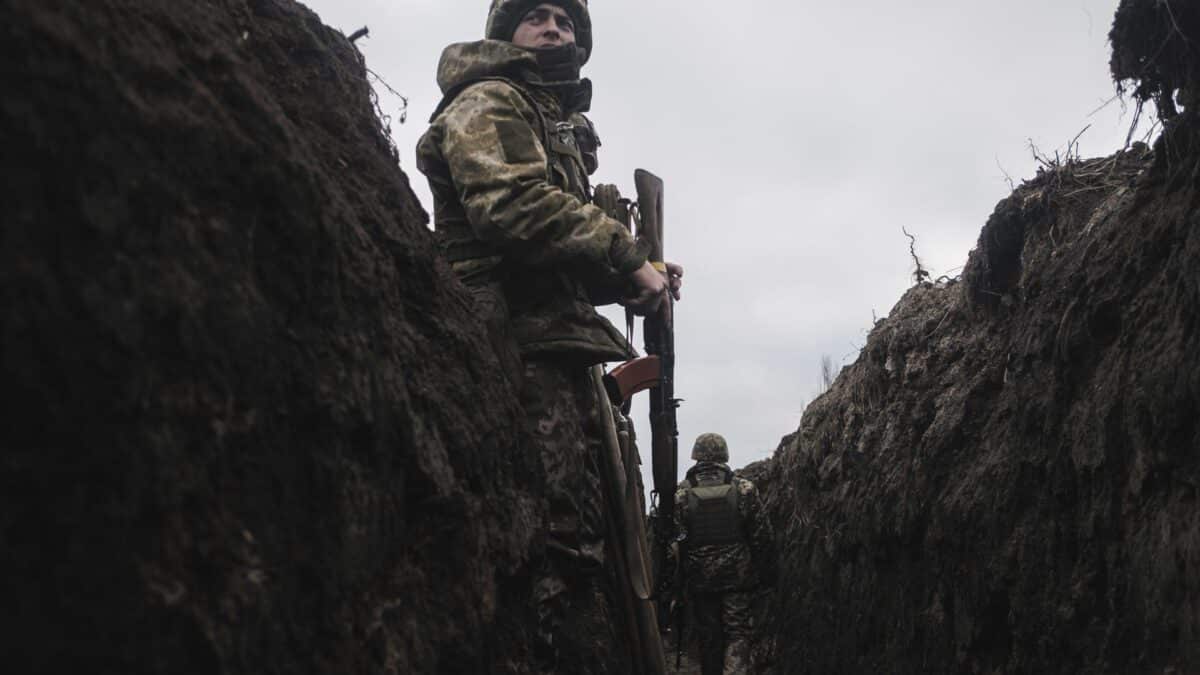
[(737, 566), (511, 203)]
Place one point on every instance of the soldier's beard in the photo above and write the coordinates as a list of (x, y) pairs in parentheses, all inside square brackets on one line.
[(559, 65)]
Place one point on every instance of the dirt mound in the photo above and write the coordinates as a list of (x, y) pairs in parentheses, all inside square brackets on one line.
[(249, 423), (1156, 51), (1006, 480)]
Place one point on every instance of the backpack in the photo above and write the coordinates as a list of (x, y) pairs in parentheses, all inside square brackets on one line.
[(712, 513)]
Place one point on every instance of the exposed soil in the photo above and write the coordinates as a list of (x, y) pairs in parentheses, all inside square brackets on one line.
[(249, 423), (1006, 479)]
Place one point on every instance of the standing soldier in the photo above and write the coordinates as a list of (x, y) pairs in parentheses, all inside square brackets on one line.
[(726, 550), (508, 155)]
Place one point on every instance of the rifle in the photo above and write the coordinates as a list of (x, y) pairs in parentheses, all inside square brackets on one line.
[(654, 372), (659, 335), (640, 597), (626, 536)]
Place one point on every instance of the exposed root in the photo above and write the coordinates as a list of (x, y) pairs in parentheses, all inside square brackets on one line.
[(920, 275)]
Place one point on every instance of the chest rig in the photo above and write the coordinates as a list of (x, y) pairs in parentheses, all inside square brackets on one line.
[(712, 513), (570, 144)]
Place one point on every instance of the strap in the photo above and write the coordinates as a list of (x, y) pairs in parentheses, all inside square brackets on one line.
[(557, 146)]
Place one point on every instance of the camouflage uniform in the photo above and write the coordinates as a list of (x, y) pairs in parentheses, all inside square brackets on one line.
[(508, 156), (576, 609), (719, 576)]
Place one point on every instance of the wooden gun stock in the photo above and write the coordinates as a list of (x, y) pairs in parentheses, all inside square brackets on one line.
[(650, 209), (631, 377)]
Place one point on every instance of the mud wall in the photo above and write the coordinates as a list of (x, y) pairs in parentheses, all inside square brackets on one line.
[(1006, 479), (248, 422)]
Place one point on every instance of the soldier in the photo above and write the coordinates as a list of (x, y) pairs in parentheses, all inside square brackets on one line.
[(508, 155), (726, 550)]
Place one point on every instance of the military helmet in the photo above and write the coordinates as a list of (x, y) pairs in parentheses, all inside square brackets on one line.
[(506, 14), (711, 448)]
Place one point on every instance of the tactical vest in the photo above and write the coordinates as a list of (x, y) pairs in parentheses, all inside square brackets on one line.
[(712, 514)]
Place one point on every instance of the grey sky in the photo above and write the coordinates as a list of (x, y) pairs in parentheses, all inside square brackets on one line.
[(796, 138)]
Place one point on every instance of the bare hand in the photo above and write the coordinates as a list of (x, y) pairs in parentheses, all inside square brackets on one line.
[(650, 288), (675, 278)]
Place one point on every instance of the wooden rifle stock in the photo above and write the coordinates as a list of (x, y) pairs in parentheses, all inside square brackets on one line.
[(632, 377), (627, 537), (650, 209)]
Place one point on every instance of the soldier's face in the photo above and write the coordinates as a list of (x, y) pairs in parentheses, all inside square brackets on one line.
[(545, 27)]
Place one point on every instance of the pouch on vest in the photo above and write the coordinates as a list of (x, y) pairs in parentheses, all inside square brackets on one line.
[(713, 515)]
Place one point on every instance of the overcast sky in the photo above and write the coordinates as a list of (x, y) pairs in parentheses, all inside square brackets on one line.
[(796, 139)]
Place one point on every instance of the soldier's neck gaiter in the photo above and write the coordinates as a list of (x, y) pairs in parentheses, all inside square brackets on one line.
[(559, 65), (560, 73)]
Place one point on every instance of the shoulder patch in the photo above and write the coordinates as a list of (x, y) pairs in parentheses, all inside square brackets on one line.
[(518, 142)]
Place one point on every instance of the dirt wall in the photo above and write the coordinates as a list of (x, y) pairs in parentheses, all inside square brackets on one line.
[(1006, 479), (249, 423)]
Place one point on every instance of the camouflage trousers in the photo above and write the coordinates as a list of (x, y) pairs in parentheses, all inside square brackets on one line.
[(573, 590), (723, 630)]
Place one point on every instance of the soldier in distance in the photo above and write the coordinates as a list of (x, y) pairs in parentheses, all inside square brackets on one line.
[(727, 550), (508, 156)]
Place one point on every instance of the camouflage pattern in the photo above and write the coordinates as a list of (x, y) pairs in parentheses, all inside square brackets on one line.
[(506, 14), (573, 595), (508, 159), (718, 579), (726, 567), (563, 428), (511, 204), (710, 448), (723, 631)]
